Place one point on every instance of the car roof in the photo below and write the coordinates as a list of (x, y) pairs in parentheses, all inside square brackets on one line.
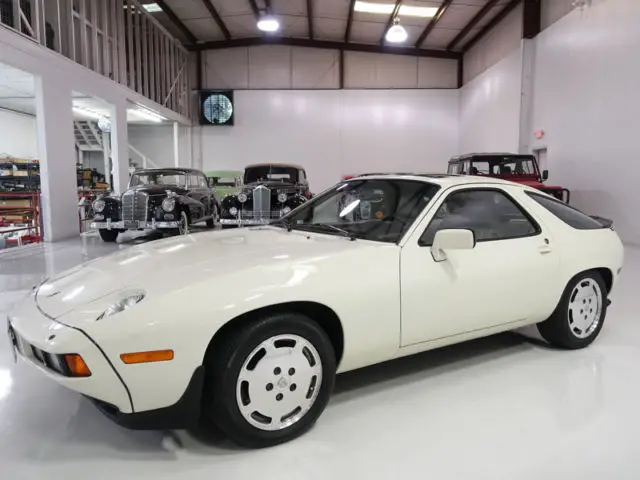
[(275, 164), (442, 179), (468, 156)]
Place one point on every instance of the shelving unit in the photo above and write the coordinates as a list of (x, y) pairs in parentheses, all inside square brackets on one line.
[(19, 175)]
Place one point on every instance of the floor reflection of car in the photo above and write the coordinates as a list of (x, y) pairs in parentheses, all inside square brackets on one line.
[(163, 199)]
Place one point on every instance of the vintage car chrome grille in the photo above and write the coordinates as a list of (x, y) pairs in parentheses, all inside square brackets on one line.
[(261, 202), (134, 206)]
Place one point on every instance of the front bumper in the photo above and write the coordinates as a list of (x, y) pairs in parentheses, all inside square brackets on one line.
[(133, 225), (35, 334)]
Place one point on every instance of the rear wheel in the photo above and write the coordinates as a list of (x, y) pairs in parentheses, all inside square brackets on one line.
[(269, 380), (578, 318), (108, 235)]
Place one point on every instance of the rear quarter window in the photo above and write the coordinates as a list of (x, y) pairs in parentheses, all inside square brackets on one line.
[(569, 215)]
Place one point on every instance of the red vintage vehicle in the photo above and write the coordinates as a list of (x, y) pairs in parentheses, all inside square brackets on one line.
[(508, 166)]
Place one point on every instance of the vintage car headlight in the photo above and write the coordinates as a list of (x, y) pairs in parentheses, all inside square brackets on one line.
[(98, 205), (127, 301), (169, 204), (233, 211), (242, 197), (282, 197), (286, 210)]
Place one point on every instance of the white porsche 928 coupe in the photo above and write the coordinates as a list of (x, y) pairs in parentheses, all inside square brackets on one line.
[(248, 328)]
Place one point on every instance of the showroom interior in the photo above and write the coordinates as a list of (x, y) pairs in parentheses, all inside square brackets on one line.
[(92, 91)]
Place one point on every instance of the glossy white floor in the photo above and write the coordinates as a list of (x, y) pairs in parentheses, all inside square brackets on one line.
[(499, 408)]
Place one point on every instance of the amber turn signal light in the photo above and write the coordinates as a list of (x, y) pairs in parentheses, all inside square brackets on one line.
[(147, 357), (76, 366)]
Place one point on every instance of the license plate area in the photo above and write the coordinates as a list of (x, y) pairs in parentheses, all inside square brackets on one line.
[(130, 224)]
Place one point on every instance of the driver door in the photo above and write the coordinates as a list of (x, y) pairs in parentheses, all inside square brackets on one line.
[(506, 278)]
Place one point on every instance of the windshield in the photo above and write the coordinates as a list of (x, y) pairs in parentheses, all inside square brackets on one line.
[(158, 178), (227, 182), (271, 172), (380, 210), (504, 166)]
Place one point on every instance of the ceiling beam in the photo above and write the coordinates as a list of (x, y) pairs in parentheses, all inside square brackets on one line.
[(392, 17), (330, 45), (176, 21), (255, 9), (472, 23), (310, 18), (531, 18), (508, 8), (434, 21), (347, 33), (217, 18), (267, 7)]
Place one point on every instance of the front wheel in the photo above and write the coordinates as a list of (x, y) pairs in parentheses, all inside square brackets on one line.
[(108, 235), (269, 380), (578, 318), (183, 225)]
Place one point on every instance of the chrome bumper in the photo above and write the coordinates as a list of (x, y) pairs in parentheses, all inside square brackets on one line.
[(133, 225)]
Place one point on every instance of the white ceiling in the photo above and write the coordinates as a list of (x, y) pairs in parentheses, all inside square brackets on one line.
[(329, 20), (17, 93)]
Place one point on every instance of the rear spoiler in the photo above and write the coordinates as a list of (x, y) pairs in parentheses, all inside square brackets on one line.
[(607, 223)]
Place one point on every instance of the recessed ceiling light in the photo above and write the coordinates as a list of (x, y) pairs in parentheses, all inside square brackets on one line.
[(152, 7), (387, 9)]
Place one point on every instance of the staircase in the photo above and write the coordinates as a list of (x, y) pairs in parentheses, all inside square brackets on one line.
[(88, 136)]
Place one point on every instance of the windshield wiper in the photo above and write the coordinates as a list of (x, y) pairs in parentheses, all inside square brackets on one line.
[(341, 231), (284, 223)]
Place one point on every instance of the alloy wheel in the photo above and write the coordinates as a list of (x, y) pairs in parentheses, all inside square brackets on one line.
[(585, 308)]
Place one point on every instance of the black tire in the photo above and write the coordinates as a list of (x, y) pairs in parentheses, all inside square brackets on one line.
[(108, 235), (211, 223), (224, 364), (559, 330), (186, 222)]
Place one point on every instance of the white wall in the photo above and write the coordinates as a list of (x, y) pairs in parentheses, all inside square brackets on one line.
[(490, 108), (336, 132), (18, 135), (503, 39), (554, 10), (285, 67), (586, 99), (156, 143)]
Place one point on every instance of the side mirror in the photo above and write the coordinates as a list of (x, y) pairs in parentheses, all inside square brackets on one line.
[(545, 174), (451, 239)]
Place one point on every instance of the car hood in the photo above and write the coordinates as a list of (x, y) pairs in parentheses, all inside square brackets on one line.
[(164, 266)]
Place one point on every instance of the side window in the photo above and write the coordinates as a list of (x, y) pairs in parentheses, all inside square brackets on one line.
[(491, 214), (301, 176), (567, 214), (202, 182)]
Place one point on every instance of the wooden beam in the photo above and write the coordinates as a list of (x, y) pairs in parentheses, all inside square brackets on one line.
[(326, 44), (347, 33), (508, 8), (474, 21), (392, 17), (217, 18), (176, 21), (531, 18), (434, 21), (310, 18)]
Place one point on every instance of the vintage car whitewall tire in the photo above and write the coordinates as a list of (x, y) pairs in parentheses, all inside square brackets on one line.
[(108, 235), (268, 380), (183, 227), (580, 314)]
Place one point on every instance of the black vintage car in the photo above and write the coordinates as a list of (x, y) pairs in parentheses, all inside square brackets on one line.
[(269, 191), (164, 199)]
